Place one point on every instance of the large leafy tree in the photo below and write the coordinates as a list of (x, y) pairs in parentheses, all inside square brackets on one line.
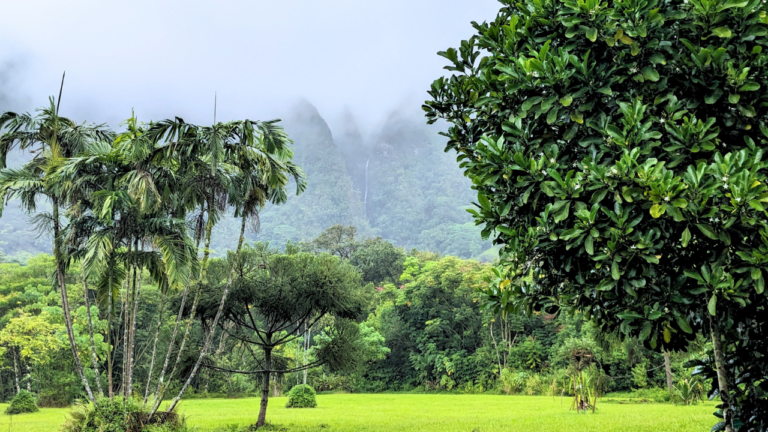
[(274, 297), (617, 151)]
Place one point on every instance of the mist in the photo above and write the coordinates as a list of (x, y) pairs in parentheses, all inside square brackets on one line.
[(168, 58)]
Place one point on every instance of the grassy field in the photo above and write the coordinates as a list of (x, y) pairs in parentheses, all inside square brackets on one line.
[(418, 412)]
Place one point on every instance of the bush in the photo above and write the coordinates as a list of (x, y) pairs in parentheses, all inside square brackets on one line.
[(512, 381), (23, 402), (120, 415), (301, 396), (533, 385)]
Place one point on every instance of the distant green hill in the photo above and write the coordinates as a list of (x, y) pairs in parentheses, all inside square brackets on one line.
[(397, 184)]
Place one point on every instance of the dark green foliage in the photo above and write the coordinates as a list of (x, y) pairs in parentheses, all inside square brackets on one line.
[(617, 151), (378, 260), (23, 402), (120, 415), (301, 396)]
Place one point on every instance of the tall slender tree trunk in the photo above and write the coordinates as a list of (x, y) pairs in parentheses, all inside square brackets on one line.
[(127, 323), (160, 390), (722, 379), (94, 358), (307, 342), (265, 384), (154, 344), (57, 253), (134, 319), (668, 369), (28, 378), (209, 335), (16, 371), (110, 348)]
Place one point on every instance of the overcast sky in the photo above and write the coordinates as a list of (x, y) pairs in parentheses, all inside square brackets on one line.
[(167, 58)]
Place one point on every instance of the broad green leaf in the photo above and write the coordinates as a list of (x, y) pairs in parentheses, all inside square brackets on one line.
[(589, 245), (562, 214), (722, 32), (483, 200), (734, 98), (506, 230), (712, 305), (733, 4), (566, 100), (657, 210), (606, 285), (615, 274), (750, 86), (507, 208), (707, 231), (606, 91), (552, 116), (577, 117), (747, 111), (683, 324), (592, 34), (658, 58), (650, 74), (686, 237)]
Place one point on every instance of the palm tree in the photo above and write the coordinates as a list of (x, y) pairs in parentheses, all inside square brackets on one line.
[(52, 139), (123, 221), (261, 153)]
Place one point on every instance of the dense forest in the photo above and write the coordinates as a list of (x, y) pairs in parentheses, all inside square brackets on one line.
[(423, 328)]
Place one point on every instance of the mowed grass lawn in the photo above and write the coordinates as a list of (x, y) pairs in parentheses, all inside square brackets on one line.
[(420, 412)]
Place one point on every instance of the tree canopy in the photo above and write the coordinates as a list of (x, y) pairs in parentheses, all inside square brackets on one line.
[(617, 151)]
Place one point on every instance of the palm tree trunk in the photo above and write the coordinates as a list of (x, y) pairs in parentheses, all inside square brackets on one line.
[(203, 272), (94, 358), (134, 319), (127, 323), (209, 335), (110, 348), (160, 390), (154, 344), (722, 380), (265, 385), (57, 253)]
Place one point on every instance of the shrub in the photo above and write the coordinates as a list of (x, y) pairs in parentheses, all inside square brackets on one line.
[(640, 375), (23, 402), (120, 415), (533, 385), (688, 391), (512, 381), (301, 396)]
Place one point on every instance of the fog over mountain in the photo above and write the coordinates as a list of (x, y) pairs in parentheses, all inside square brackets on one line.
[(346, 77)]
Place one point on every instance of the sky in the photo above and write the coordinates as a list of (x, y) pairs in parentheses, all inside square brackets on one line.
[(165, 58)]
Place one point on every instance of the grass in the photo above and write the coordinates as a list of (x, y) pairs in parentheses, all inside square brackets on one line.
[(419, 412)]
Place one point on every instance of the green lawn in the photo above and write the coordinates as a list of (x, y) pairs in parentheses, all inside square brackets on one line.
[(423, 413)]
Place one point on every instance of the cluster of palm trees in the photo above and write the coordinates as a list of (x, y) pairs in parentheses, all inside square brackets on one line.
[(144, 199)]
